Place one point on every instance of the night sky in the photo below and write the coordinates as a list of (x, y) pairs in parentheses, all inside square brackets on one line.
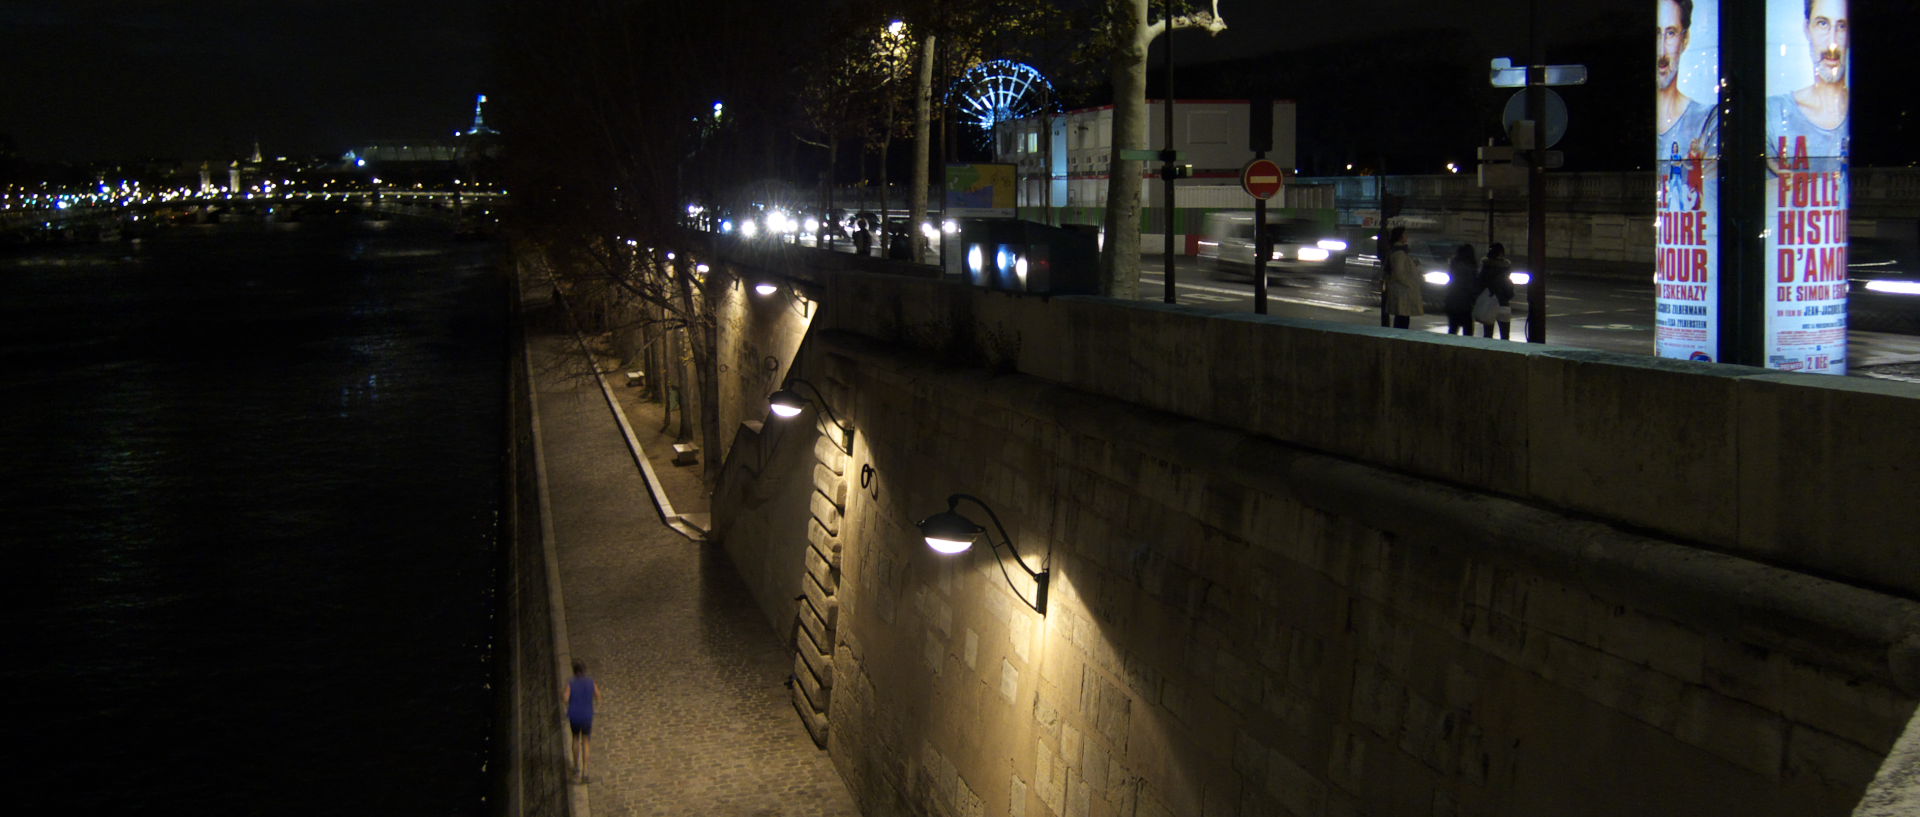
[(116, 79), (97, 79)]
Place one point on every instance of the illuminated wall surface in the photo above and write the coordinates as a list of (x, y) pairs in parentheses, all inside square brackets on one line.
[(1686, 201), (1807, 147)]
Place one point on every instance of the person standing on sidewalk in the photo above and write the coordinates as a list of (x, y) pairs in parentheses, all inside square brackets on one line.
[(1496, 276), (1401, 288), (1463, 285), (580, 695)]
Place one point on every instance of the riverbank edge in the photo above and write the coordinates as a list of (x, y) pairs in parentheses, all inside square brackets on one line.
[(535, 756)]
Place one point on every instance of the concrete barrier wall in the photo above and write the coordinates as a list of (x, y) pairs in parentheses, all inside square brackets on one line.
[(1308, 569), (1803, 470)]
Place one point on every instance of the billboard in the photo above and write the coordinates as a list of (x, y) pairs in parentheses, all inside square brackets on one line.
[(1807, 145), (1686, 199), (981, 190)]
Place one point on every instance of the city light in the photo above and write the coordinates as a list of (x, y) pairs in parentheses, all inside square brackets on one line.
[(1895, 287)]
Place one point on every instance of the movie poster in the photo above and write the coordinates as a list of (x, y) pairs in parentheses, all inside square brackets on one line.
[(1807, 141), (1686, 158)]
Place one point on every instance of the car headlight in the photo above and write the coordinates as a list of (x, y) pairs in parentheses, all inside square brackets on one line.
[(1519, 279), (1437, 278), (1312, 254), (1333, 245)]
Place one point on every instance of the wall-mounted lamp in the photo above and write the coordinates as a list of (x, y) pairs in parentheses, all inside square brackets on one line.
[(950, 532), (797, 302), (788, 403)]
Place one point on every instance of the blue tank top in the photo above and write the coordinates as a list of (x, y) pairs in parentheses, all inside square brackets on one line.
[(580, 698)]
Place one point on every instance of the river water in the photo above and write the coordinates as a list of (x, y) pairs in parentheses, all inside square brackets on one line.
[(249, 521)]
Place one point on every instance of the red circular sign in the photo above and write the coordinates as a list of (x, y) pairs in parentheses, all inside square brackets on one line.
[(1261, 178)]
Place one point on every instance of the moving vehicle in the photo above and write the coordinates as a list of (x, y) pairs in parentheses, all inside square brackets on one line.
[(1884, 276), (1294, 244)]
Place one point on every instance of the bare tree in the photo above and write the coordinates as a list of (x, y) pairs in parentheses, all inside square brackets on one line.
[(610, 120)]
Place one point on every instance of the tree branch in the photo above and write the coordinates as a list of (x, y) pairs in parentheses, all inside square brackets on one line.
[(1209, 21)]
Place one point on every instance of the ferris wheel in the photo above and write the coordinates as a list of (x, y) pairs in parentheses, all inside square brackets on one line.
[(999, 90)]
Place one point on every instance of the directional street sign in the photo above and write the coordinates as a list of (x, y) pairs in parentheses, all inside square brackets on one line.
[(1507, 75), (1503, 176), (1261, 178)]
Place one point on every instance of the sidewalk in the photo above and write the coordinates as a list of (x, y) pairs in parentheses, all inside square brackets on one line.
[(694, 717)]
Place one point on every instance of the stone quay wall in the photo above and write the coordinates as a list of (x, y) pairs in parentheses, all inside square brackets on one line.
[(533, 753), (1306, 569)]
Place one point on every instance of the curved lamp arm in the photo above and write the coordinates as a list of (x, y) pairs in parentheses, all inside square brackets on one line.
[(787, 397), (1039, 603)]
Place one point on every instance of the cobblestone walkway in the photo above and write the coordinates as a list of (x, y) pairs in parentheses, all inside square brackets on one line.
[(694, 716)]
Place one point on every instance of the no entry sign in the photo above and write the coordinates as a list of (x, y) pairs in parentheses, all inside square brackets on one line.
[(1260, 178)]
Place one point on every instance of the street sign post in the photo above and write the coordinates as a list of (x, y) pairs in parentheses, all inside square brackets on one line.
[(1544, 117)]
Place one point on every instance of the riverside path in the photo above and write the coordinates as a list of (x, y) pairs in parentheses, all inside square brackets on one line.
[(694, 717)]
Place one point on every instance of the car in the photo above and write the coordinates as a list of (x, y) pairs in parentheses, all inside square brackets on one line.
[(1226, 246), (1884, 283)]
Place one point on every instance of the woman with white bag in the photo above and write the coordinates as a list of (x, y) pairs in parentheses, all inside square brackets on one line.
[(1494, 305)]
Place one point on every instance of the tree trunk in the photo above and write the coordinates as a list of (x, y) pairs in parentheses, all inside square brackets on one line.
[(922, 149), (669, 377), (886, 140), (833, 164), (685, 432), (650, 353), (1120, 257), (703, 343)]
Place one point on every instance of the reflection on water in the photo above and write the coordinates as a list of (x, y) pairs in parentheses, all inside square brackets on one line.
[(249, 520)]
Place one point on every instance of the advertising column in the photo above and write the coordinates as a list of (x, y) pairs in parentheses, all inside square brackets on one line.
[(1686, 198), (1807, 190)]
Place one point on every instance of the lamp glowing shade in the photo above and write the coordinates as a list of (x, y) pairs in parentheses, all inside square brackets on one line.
[(785, 403), (765, 288), (949, 532), (949, 545)]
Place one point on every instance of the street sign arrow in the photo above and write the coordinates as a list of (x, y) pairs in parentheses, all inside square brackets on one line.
[(1505, 74)]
